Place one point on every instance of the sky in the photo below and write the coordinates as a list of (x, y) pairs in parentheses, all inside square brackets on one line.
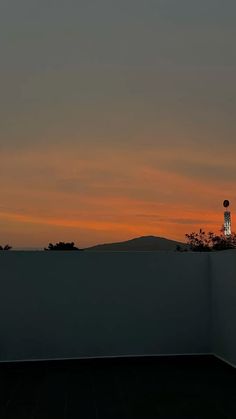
[(117, 119)]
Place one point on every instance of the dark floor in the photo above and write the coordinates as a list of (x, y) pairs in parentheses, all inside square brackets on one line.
[(171, 387)]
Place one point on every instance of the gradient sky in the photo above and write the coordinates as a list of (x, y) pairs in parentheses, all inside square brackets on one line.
[(117, 118)]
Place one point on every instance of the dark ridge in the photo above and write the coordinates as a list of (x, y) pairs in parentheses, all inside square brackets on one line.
[(145, 243)]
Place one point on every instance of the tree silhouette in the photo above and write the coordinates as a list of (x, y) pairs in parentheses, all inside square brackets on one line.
[(207, 242), (199, 242), (222, 242), (6, 247), (62, 246)]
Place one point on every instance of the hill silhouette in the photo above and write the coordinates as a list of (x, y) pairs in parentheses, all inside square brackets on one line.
[(145, 243)]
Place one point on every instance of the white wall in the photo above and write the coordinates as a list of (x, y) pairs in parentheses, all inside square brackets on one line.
[(223, 277), (69, 304)]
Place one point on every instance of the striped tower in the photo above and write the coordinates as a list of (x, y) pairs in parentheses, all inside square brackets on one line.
[(227, 219)]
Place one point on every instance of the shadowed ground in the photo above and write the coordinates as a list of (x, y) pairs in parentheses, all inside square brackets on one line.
[(166, 387)]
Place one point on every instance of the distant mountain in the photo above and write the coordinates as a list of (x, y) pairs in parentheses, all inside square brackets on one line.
[(146, 243)]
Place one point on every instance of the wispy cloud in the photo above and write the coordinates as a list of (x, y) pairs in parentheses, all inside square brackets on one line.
[(112, 192)]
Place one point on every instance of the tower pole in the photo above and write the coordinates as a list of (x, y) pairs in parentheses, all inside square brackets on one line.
[(227, 219)]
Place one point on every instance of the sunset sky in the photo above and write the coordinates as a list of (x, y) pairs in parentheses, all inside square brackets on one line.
[(117, 119)]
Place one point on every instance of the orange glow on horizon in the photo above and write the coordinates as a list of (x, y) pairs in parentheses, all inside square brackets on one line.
[(91, 197)]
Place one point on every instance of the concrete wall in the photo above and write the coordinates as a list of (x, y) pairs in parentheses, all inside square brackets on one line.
[(223, 277), (69, 304)]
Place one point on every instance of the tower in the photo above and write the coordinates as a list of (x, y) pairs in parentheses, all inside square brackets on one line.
[(227, 219)]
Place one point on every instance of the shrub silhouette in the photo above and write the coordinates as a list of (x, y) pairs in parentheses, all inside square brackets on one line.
[(207, 242), (180, 248), (222, 242), (6, 247), (62, 246)]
